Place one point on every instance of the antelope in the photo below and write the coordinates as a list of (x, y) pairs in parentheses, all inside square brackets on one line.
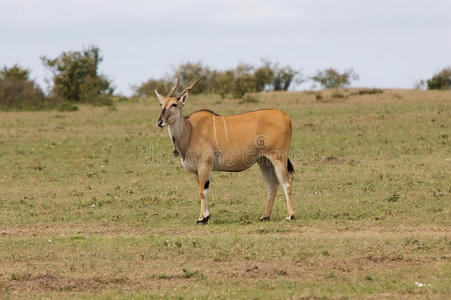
[(210, 142)]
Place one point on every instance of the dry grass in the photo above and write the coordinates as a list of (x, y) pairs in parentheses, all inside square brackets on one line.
[(93, 205)]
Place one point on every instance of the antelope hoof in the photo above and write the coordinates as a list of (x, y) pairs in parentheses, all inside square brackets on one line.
[(265, 218), (290, 218), (203, 221)]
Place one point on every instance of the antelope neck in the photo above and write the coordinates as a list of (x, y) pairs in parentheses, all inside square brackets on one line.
[(180, 133)]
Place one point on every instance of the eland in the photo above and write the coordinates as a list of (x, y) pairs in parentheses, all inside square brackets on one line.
[(210, 142)]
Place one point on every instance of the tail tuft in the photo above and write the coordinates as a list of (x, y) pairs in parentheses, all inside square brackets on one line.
[(290, 167)]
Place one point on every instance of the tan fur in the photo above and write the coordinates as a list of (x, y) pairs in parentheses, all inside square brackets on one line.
[(210, 142), (249, 136)]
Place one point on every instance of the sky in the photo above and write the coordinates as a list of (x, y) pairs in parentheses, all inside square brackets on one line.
[(389, 43)]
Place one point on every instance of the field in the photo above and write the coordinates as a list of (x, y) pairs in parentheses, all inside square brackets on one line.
[(93, 205)]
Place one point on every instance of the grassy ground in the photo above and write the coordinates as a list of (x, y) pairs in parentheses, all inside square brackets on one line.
[(93, 204)]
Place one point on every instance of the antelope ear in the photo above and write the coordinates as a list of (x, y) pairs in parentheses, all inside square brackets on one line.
[(159, 97), (182, 98)]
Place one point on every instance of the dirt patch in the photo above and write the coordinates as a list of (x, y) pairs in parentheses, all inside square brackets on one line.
[(132, 231), (328, 160), (50, 282), (81, 229), (312, 269), (160, 274)]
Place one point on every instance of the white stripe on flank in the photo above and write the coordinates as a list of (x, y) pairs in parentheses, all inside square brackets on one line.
[(214, 130), (225, 129)]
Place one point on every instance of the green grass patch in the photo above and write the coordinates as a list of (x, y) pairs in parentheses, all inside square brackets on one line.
[(93, 204)]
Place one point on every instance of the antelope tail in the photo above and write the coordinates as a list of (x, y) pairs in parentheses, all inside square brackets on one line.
[(290, 167)]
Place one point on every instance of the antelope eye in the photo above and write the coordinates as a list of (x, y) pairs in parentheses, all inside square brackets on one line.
[(174, 105)]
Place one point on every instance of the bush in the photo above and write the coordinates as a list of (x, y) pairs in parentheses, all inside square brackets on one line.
[(372, 91), (248, 98), (18, 92), (369, 91), (75, 75), (122, 98), (331, 78), (103, 100), (244, 78), (147, 89), (66, 106), (338, 95), (318, 96), (15, 72), (441, 80)]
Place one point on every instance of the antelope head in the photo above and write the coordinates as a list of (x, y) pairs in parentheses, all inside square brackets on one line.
[(171, 106)]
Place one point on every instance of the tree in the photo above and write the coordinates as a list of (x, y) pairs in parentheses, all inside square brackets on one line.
[(190, 72), (244, 83), (441, 80), (76, 77), (331, 78), (147, 88), (244, 80), (264, 76), (283, 78), (270, 76), (221, 82)]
